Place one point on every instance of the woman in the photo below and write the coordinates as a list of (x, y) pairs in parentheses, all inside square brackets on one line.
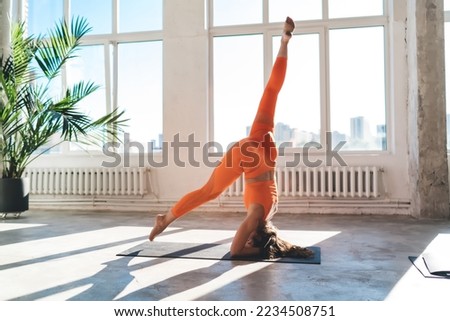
[(254, 157)]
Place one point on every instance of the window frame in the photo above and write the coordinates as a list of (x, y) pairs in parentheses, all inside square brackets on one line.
[(110, 43), (322, 27)]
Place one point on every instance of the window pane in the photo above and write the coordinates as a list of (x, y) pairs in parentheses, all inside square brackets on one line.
[(297, 116), (89, 66), (446, 4), (447, 79), (43, 14), (354, 8), (140, 90), (357, 88), (140, 15), (98, 14), (235, 12), (238, 84), (296, 9)]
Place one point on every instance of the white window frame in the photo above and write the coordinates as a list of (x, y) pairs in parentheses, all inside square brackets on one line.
[(322, 27), (110, 42)]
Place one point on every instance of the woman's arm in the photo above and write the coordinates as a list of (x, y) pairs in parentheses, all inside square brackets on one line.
[(247, 227)]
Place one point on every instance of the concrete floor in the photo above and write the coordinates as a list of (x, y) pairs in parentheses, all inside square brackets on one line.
[(69, 255)]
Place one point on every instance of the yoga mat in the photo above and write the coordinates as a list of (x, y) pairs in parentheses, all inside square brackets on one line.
[(438, 263), (206, 252), (434, 262), (420, 263)]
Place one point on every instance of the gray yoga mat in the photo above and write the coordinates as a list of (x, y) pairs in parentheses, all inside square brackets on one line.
[(431, 266), (210, 251)]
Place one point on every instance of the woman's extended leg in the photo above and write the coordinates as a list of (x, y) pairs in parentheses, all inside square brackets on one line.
[(264, 119), (223, 176)]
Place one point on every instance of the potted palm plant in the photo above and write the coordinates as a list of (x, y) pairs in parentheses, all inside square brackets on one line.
[(30, 118)]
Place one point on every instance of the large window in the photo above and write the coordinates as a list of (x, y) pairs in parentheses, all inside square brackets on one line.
[(139, 15), (357, 87), (355, 8), (298, 111), (243, 12), (122, 54), (89, 65), (300, 9), (238, 74), (335, 89), (43, 14), (140, 89)]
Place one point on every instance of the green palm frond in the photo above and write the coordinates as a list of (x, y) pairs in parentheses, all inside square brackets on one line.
[(23, 50), (63, 42), (29, 116)]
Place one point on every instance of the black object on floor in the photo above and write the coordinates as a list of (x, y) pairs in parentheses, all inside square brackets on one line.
[(423, 266), (206, 252), (438, 263)]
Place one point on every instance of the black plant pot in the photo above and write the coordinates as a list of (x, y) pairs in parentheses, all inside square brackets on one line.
[(14, 195)]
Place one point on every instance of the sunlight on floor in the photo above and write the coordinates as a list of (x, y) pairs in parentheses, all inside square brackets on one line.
[(49, 265), (148, 272), (74, 257), (221, 281), (304, 238), (165, 271), (440, 243), (66, 295), (55, 268), (197, 236), (307, 238), (70, 242), (413, 286), (15, 226)]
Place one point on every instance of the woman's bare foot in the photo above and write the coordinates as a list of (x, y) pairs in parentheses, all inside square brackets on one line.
[(161, 222), (289, 26)]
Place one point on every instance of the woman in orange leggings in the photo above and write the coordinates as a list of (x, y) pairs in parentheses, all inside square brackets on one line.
[(253, 156)]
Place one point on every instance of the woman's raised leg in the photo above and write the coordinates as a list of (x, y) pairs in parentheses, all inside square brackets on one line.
[(264, 119)]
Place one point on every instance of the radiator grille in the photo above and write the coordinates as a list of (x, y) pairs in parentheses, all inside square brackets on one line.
[(88, 181), (330, 182)]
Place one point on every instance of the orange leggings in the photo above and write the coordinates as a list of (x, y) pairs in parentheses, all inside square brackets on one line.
[(230, 167)]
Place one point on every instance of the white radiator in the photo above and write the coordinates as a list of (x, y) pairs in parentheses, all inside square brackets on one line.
[(330, 182), (88, 181)]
